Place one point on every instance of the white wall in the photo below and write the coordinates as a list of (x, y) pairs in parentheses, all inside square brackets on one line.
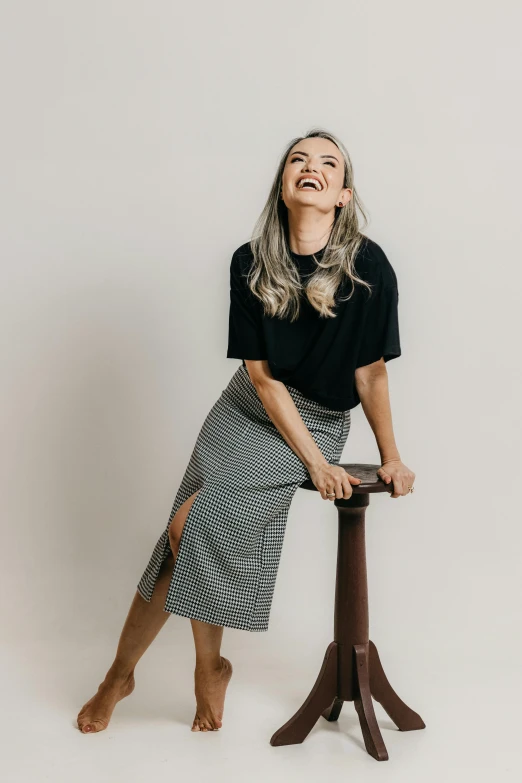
[(138, 143)]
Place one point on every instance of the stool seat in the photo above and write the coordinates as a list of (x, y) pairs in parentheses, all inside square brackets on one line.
[(370, 481), (351, 669)]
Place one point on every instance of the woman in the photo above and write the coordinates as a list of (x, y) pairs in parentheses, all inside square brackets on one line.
[(313, 317)]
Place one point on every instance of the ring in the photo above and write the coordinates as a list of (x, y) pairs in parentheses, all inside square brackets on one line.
[(330, 494), (411, 488)]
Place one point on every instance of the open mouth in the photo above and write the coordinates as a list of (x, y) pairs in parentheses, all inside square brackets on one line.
[(309, 183)]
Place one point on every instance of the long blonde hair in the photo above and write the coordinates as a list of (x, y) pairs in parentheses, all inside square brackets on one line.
[(274, 278)]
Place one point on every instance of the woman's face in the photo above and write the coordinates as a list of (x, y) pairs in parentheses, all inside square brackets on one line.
[(321, 160)]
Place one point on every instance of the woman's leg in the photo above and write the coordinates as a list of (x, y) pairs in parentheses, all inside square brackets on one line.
[(144, 621), (213, 671), (211, 676)]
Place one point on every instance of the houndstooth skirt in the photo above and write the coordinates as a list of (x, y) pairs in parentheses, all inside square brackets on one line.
[(230, 546)]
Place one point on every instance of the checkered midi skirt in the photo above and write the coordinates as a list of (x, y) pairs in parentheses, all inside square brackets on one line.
[(230, 546)]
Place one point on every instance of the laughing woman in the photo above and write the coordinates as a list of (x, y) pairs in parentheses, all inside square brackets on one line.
[(314, 319)]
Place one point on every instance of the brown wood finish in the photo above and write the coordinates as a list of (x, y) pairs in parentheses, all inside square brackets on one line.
[(351, 669)]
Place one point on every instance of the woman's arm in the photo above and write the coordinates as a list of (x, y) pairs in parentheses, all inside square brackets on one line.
[(282, 410), (371, 382)]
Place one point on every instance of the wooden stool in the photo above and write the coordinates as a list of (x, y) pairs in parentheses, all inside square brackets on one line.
[(351, 669)]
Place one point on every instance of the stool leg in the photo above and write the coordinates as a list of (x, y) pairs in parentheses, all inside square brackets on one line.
[(364, 706), (332, 712), (402, 715), (300, 725), (351, 669)]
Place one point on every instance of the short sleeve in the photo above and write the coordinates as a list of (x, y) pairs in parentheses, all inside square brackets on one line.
[(245, 327), (380, 329)]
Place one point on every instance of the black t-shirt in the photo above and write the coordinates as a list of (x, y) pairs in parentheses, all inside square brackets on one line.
[(318, 355)]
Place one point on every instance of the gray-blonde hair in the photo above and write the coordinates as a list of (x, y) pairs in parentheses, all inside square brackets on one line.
[(274, 278)]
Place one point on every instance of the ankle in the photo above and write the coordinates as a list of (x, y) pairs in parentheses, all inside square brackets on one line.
[(120, 671), (209, 662)]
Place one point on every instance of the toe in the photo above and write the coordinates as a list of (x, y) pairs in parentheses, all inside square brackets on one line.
[(98, 725)]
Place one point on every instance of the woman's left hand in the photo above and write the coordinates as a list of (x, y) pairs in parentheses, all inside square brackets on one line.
[(402, 477)]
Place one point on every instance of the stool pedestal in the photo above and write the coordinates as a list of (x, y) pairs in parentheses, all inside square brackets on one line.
[(351, 669)]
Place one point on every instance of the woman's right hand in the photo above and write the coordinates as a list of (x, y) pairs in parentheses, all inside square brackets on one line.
[(332, 478)]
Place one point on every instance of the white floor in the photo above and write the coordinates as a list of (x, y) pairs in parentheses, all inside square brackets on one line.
[(470, 709)]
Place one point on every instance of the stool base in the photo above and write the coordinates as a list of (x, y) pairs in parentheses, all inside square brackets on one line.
[(368, 680)]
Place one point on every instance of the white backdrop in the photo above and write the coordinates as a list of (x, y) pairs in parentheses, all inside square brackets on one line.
[(139, 141)]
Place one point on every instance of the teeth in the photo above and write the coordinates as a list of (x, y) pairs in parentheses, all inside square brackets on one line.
[(314, 182)]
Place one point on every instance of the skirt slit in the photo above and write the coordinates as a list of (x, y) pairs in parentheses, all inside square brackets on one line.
[(247, 475)]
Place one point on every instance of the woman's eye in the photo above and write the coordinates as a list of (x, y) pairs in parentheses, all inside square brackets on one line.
[(330, 162)]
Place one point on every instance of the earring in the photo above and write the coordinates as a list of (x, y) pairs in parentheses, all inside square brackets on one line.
[(340, 203)]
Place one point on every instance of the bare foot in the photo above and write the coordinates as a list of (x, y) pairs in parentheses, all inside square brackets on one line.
[(96, 713), (210, 689)]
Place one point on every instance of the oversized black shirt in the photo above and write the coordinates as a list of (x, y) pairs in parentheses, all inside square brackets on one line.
[(318, 355)]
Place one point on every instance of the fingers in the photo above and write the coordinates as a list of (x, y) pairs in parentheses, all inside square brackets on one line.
[(339, 489), (347, 486), (334, 489), (396, 486), (387, 480), (323, 489), (340, 485), (333, 482), (400, 482), (385, 476), (329, 493)]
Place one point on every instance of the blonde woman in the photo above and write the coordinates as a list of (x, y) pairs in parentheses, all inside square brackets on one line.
[(314, 318)]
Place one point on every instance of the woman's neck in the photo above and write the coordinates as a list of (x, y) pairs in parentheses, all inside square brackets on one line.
[(308, 234)]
